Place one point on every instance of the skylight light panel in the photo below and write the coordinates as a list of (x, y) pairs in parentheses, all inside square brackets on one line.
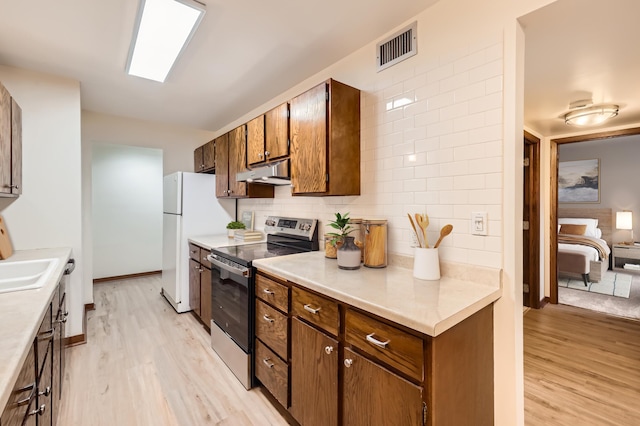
[(163, 29)]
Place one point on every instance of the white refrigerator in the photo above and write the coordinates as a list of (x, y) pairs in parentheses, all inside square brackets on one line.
[(190, 209)]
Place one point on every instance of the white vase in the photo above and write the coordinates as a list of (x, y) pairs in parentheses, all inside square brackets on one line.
[(349, 255), (426, 264), (231, 232)]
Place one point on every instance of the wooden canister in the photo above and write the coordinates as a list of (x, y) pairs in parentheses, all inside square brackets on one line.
[(375, 243)]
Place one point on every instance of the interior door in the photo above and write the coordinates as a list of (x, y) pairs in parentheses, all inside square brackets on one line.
[(531, 222)]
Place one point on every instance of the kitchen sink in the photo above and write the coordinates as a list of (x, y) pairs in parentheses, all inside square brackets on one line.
[(25, 274)]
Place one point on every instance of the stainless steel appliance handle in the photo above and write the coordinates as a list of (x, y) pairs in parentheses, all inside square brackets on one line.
[(244, 271)]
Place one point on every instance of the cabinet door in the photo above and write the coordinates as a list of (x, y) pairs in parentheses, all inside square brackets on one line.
[(277, 132), (198, 159), (194, 286), (205, 296), (237, 160), (375, 396), (222, 165), (16, 148), (255, 141), (309, 141), (26, 382), (5, 140), (314, 376), (209, 156), (44, 391)]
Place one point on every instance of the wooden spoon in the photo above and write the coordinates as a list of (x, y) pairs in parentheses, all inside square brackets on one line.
[(423, 222), (446, 230), (413, 225)]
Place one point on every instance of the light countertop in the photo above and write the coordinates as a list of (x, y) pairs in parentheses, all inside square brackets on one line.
[(430, 307), (21, 313), (213, 241)]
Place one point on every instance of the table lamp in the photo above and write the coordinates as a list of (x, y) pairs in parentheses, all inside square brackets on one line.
[(624, 220)]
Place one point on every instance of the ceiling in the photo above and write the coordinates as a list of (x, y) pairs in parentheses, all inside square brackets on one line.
[(577, 49), (244, 53)]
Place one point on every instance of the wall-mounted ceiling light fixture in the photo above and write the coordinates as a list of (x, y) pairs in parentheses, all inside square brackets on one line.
[(163, 30), (584, 113)]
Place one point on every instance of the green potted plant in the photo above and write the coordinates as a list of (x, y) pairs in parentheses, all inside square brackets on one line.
[(232, 226), (340, 245)]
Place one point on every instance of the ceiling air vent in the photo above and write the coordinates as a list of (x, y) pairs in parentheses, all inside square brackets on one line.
[(398, 47)]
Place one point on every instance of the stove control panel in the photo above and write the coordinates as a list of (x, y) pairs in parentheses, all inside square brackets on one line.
[(298, 227)]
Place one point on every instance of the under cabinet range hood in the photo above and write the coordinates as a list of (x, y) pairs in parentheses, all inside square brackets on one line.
[(269, 174)]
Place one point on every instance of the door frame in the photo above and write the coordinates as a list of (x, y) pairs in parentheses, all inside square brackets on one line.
[(532, 144), (553, 220)]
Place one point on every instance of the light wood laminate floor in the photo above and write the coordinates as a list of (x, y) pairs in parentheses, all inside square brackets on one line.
[(144, 364), (580, 368)]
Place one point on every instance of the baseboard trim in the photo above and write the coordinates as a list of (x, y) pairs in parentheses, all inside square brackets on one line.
[(89, 307), (125, 277), (544, 301)]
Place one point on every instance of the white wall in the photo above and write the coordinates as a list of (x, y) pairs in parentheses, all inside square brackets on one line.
[(127, 210), (176, 143), (48, 213)]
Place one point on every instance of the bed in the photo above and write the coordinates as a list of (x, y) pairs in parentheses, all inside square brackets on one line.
[(584, 242)]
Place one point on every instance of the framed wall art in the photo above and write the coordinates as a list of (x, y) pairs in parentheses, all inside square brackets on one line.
[(579, 181)]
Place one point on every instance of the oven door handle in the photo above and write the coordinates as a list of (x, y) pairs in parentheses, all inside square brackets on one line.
[(244, 271)]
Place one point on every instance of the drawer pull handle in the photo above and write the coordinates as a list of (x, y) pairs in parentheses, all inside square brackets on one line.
[(348, 362), (328, 349), (267, 291), (268, 363), (46, 335), (268, 318), (377, 342), (308, 308)]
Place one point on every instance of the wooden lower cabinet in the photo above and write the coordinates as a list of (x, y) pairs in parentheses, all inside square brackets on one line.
[(200, 284), (314, 376), (194, 286), (374, 396), (16, 411)]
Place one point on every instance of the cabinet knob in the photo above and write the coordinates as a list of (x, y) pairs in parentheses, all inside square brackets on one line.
[(328, 350), (46, 392), (267, 318), (266, 153), (39, 411), (267, 291), (260, 155), (14, 186), (348, 362)]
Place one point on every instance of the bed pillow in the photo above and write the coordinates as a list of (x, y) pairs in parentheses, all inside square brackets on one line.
[(592, 224), (573, 229)]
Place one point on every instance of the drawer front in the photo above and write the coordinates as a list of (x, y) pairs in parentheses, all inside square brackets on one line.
[(194, 252), (271, 328), (272, 372), (630, 252), (386, 343), (316, 309), (203, 257), (272, 292)]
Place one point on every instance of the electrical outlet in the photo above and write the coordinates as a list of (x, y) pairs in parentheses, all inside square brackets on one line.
[(479, 223)]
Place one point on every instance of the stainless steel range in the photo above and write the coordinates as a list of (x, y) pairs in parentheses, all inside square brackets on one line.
[(233, 282)]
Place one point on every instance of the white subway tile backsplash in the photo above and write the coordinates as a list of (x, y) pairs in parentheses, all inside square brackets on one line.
[(431, 141)]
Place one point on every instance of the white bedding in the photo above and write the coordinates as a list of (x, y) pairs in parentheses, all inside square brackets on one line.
[(590, 252)]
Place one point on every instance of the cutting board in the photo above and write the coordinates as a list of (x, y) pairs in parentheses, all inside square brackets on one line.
[(6, 249)]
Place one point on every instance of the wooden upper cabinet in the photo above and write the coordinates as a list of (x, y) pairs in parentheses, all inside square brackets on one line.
[(198, 159), (204, 158), (16, 148), (231, 158), (268, 136), (10, 145), (237, 160), (325, 140), (5, 141), (255, 140), (222, 165), (277, 132)]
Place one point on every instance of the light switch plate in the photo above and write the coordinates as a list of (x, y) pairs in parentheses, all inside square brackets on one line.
[(479, 223)]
